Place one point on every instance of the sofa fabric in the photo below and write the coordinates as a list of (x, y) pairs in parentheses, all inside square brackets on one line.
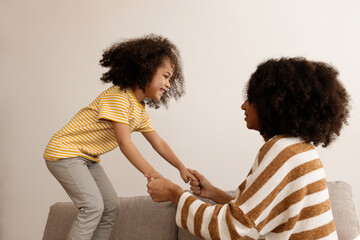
[(346, 221), (141, 218)]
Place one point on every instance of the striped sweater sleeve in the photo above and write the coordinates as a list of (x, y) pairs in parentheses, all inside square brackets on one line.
[(284, 197)]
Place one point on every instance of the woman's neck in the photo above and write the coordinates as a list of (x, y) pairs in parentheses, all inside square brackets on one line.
[(265, 137)]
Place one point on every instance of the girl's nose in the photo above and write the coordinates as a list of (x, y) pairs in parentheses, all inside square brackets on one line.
[(167, 83)]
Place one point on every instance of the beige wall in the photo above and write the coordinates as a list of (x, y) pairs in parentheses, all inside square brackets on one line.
[(49, 52)]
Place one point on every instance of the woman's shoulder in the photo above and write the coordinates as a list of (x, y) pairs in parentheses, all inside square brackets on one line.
[(279, 143), (284, 141)]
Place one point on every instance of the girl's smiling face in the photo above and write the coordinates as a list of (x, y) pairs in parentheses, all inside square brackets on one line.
[(160, 82), (251, 115)]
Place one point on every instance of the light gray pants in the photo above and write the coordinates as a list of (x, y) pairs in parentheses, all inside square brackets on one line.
[(90, 189)]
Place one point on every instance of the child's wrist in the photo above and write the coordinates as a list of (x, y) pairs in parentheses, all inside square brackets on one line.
[(154, 174), (181, 167)]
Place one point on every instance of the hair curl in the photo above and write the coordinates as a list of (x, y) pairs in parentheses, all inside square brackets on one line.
[(134, 62), (300, 98)]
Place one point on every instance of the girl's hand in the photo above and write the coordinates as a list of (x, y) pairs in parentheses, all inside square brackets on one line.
[(202, 187), (187, 176)]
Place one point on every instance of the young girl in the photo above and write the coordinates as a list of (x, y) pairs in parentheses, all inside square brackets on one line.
[(143, 71), (294, 104)]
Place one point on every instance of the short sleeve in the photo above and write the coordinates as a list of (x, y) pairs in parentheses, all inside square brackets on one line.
[(114, 106), (145, 125)]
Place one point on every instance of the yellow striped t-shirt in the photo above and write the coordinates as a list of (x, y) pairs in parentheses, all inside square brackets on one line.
[(89, 134)]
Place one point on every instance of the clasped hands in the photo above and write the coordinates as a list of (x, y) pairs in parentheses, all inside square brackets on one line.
[(162, 189)]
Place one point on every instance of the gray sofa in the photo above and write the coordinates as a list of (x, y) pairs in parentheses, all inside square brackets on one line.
[(141, 218)]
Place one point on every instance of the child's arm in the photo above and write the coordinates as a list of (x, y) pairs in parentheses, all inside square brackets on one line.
[(130, 151), (166, 152)]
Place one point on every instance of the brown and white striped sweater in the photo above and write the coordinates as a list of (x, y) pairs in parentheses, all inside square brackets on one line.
[(285, 196)]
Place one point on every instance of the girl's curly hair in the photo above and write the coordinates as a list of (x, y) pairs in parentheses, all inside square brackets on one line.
[(300, 98), (133, 63)]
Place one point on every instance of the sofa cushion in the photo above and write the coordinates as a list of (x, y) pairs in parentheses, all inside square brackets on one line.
[(139, 218), (346, 221)]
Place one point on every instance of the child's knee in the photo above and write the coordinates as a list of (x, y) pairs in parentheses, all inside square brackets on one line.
[(112, 205), (94, 208)]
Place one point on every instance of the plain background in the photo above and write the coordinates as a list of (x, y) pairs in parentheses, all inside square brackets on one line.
[(49, 53)]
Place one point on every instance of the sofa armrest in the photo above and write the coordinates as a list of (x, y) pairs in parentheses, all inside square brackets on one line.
[(346, 221), (60, 219)]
